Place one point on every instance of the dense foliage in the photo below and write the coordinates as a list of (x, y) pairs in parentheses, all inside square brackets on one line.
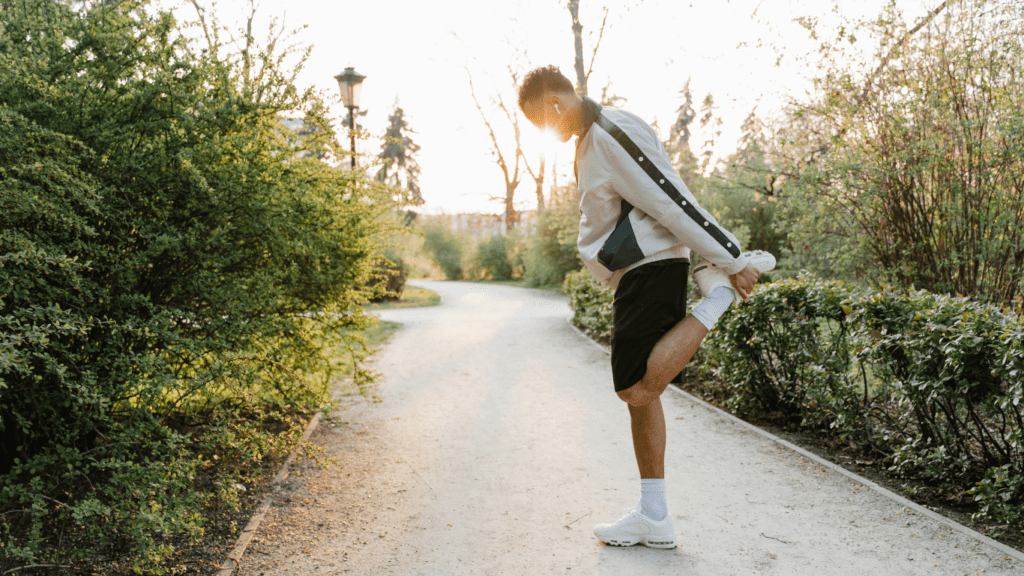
[(591, 304), (492, 257), (551, 251), (445, 249), (167, 258), (917, 167)]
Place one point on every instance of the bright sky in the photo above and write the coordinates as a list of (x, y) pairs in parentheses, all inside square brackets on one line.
[(418, 51)]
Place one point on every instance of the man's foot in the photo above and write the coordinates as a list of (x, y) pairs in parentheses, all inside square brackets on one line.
[(635, 528), (709, 276)]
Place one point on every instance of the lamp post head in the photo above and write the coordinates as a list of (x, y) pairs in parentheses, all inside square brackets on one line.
[(350, 82)]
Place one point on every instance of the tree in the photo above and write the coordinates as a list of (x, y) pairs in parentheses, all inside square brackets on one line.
[(712, 128), (511, 175), (399, 168), (583, 74), (538, 179), (927, 171), (733, 192), (162, 264), (678, 145), (818, 143)]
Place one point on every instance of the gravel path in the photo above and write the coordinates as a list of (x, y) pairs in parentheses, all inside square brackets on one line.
[(498, 443)]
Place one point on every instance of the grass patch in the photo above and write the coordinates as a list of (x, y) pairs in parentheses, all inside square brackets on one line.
[(412, 297)]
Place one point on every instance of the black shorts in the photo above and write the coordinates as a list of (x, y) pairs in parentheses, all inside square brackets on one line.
[(649, 301)]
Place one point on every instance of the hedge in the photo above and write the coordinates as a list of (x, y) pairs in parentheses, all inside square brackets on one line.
[(171, 270), (932, 382)]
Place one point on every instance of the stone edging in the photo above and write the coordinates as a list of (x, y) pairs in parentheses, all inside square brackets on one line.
[(839, 469), (234, 559)]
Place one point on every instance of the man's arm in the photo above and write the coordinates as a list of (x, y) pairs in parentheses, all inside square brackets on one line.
[(694, 229)]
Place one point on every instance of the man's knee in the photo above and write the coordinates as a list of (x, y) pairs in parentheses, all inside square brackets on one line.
[(636, 395)]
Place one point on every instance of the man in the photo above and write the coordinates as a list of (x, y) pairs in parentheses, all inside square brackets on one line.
[(638, 223)]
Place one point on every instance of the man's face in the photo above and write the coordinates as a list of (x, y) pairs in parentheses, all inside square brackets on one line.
[(543, 113)]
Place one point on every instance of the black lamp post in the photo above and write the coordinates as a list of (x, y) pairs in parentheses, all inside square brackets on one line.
[(351, 84)]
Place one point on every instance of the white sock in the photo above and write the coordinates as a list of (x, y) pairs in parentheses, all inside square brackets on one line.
[(652, 498), (711, 308)]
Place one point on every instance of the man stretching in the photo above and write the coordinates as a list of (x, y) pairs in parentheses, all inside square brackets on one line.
[(638, 223)]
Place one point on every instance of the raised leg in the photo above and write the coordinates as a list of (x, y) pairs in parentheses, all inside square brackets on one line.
[(670, 355)]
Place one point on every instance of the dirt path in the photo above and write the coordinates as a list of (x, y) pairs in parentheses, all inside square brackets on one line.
[(498, 444)]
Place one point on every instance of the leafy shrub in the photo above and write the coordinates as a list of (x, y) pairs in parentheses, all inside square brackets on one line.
[(551, 253), (787, 351), (493, 259), (953, 363), (591, 303), (388, 279), (165, 259), (445, 249)]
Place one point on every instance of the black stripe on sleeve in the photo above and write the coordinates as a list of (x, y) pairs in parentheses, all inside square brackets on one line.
[(666, 185)]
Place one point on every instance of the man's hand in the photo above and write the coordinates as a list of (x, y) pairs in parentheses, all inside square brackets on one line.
[(744, 281)]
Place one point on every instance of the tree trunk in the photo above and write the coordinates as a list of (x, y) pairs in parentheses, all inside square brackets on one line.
[(577, 32), (540, 186), (511, 216)]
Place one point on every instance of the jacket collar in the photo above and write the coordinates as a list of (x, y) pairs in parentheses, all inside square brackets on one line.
[(589, 111)]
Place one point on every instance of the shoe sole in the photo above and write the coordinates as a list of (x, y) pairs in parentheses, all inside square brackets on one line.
[(660, 544), (761, 260)]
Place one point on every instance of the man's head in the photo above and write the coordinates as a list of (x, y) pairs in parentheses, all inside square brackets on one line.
[(548, 101)]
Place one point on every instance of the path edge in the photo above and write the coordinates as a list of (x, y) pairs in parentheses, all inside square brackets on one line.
[(836, 468), (233, 561)]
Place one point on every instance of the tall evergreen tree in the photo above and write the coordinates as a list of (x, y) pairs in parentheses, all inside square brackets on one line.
[(712, 128), (399, 168), (678, 145)]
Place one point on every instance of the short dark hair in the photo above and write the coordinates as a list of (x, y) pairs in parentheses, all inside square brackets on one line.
[(542, 80)]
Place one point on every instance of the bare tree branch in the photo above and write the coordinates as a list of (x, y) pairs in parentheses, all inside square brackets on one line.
[(511, 181), (869, 85), (600, 35), (202, 22), (577, 32)]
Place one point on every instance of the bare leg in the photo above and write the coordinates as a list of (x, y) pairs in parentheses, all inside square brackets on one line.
[(647, 418), (648, 425), (670, 355)]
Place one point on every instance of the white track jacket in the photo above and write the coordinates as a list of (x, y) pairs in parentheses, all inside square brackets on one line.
[(658, 227)]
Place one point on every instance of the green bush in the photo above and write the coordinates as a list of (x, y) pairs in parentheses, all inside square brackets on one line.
[(955, 369), (388, 278), (492, 257), (167, 257), (787, 351), (591, 303), (938, 208), (551, 251), (445, 249)]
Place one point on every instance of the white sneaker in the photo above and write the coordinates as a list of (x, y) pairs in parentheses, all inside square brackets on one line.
[(709, 276), (635, 528)]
